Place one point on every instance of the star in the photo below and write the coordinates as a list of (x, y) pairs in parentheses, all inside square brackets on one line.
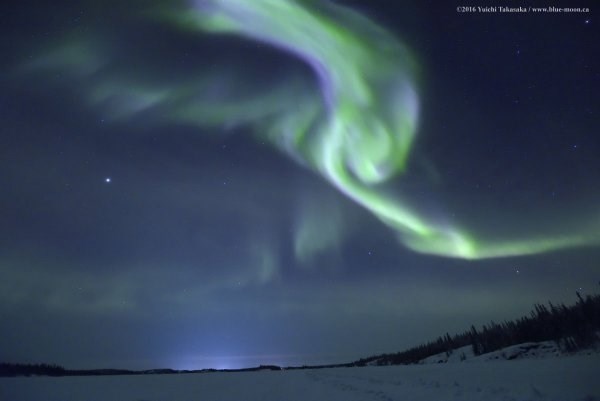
[(107, 180)]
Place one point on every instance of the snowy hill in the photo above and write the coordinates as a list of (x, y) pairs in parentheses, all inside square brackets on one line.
[(531, 350)]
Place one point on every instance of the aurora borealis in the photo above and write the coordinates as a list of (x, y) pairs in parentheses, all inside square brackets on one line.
[(161, 155), (357, 131)]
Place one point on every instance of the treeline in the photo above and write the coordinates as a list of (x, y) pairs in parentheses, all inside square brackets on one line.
[(572, 327), (39, 369), (44, 369)]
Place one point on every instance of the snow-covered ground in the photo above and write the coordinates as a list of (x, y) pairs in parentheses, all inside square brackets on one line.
[(575, 378)]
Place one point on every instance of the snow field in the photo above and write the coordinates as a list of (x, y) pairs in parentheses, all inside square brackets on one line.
[(574, 378)]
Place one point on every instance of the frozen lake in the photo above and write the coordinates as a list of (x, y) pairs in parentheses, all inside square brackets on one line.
[(561, 379)]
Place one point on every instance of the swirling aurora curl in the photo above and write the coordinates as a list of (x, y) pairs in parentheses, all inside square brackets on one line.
[(356, 131)]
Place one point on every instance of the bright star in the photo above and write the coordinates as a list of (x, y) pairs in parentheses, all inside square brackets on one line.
[(107, 180)]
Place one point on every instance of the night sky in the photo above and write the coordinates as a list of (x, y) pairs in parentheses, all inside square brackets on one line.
[(227, 183)]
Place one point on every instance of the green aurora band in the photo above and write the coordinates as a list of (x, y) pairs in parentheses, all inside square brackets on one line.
[(356, 130)]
